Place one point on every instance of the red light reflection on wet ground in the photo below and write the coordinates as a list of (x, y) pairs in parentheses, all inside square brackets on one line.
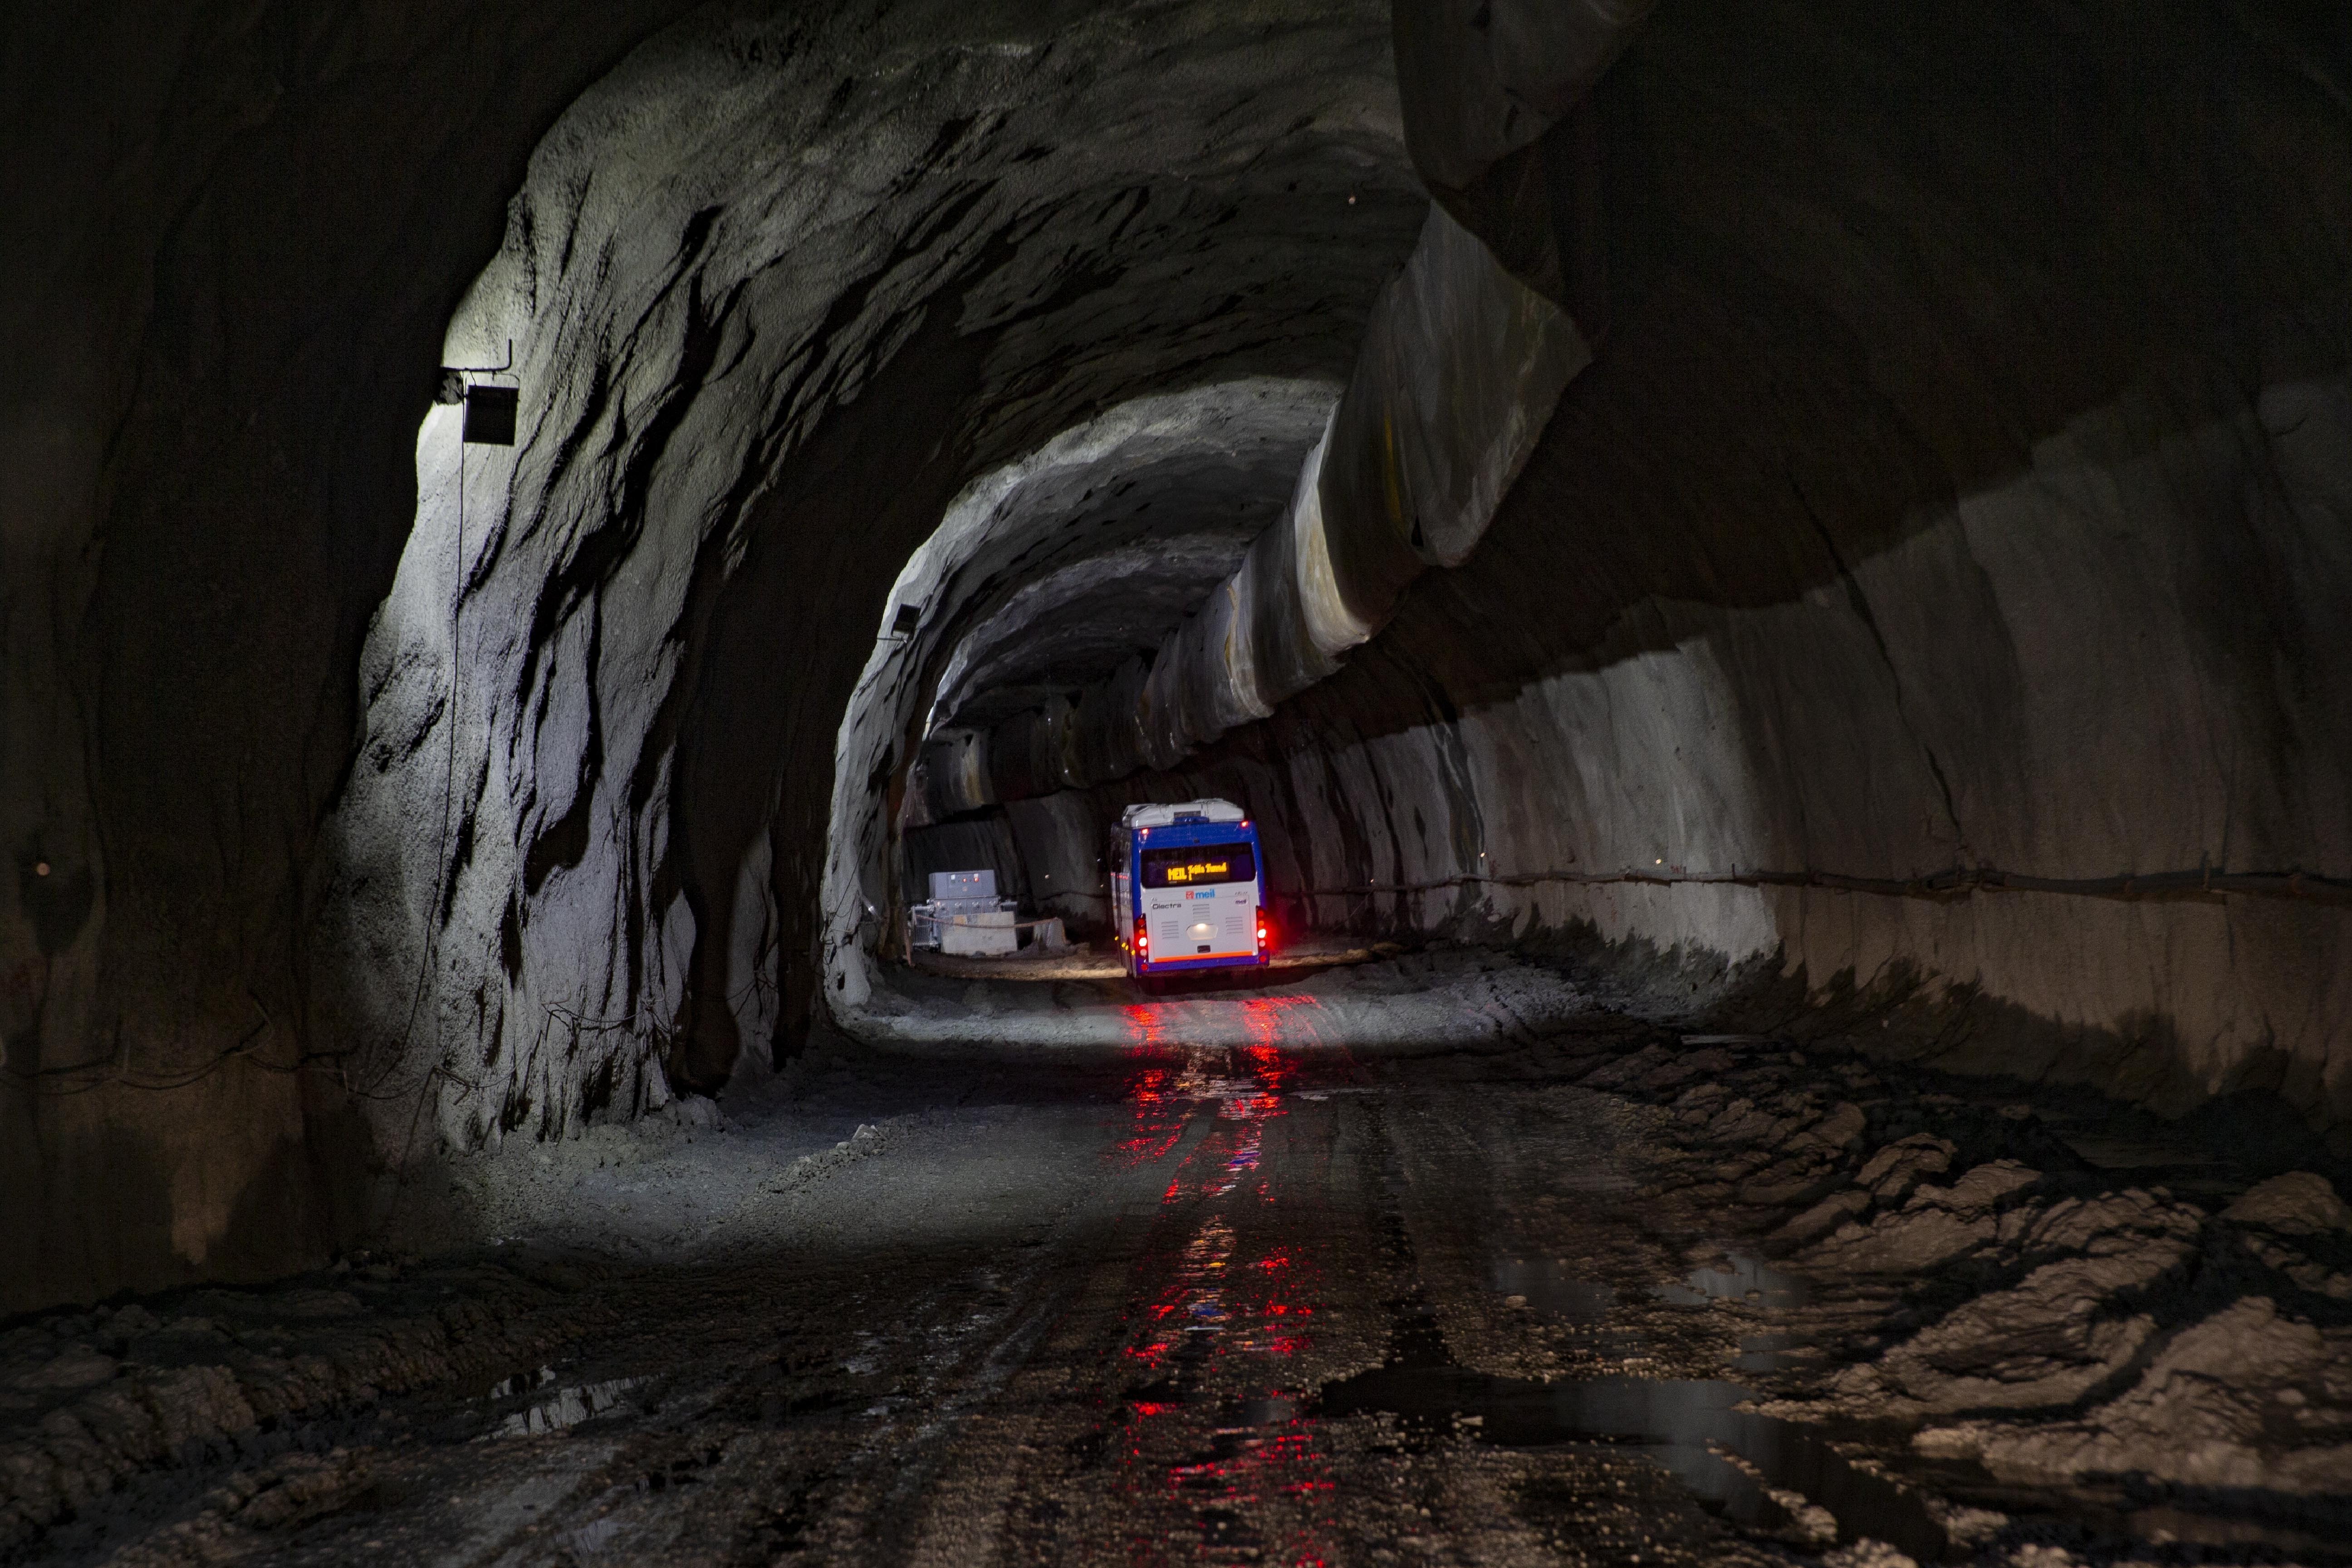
[(1156, 1121), (1208, 1420)]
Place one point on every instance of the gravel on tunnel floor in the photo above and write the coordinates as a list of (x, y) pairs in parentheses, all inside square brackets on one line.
[(1590, 1294)]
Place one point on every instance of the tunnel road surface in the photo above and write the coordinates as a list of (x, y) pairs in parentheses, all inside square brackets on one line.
[(1244, 1305)]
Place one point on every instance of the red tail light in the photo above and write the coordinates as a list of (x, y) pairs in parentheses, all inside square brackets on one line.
[(1143, 936)]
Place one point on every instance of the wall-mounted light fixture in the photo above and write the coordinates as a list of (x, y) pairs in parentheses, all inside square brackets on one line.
[(490, 415), (490, 410)]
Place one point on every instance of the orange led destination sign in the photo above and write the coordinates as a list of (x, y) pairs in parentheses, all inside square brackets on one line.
[(1195, 864)]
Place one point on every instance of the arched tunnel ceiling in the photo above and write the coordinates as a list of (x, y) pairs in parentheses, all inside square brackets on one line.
[(1962, 487), (780, 287), (1119, 549)]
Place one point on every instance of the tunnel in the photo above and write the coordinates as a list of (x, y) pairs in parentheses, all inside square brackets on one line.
[(1765, 585)]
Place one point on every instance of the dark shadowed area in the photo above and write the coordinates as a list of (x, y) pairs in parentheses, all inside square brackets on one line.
[(1770, 580)]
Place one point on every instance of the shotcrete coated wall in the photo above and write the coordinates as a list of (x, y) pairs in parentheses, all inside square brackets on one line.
[(1460, 367), (1999, 728), (1975, 500), (1059, 564)]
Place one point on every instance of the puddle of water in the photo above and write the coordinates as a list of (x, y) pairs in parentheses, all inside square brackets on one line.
[(1209, 1423), (1545, 1286), (568, 1407), (1675, 1423), (1735, 1277), (1687, 1427)]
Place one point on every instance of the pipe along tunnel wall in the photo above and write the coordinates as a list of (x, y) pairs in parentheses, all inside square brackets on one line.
[(1961, 478)]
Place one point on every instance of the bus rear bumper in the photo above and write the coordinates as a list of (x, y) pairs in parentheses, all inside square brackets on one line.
[(1192, 965)]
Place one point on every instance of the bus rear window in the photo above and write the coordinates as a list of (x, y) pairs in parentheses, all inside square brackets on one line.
[(1199, 865)]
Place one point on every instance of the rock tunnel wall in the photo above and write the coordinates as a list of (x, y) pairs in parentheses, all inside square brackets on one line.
[(234, 235), (1075, 553), (781, 290), (1971, 500), (335, 834), (1461, 364), (325, 851)]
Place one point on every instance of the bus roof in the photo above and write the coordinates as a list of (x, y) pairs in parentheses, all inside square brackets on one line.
[(1190, 810)]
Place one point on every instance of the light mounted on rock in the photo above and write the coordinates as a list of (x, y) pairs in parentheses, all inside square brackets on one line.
[(490, 410), (491, 416)]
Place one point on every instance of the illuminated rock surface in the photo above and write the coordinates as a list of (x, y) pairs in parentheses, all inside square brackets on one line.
[(1772, 578)]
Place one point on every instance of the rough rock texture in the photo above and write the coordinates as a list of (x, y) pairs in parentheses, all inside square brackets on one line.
[(91, 1400), (2249, 1399), (2300, 1203), (2040, 1314), (229, 294), (1965, 503), (1461, 368), (2064, 1330), (1052, 574), (2295, 1224), (1961, 487), (1486, 80), (780, 287), (235, 236)]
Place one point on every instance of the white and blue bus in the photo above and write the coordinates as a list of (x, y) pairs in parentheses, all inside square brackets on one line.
[(1187, 889)]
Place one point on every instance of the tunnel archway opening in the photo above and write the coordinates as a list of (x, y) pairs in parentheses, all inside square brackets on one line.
[(1577, 739), (1047, 576), (754, 382), (1788, 573)]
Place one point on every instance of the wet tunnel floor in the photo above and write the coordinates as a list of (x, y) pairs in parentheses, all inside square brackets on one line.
[(1235, 1305)]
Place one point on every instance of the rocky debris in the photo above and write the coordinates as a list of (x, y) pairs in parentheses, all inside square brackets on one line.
[(865, 1141), (1970, 1271), (1830, 1213), (76, 1367), (1868, 1555), (2044, 1342), (1658, 1067), (2111, 1224), (1965, 1525), (110, 1394), (2070, 1327), (2316, 1277), (2297, 1204), (2042, 1554), (1890, 1174), (1840, 1131), (2296, 1225), (288, 1491), (1937, 1226), (2249, 1399)]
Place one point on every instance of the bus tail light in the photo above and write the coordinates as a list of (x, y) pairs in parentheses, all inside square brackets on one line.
[(1142, 938)]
